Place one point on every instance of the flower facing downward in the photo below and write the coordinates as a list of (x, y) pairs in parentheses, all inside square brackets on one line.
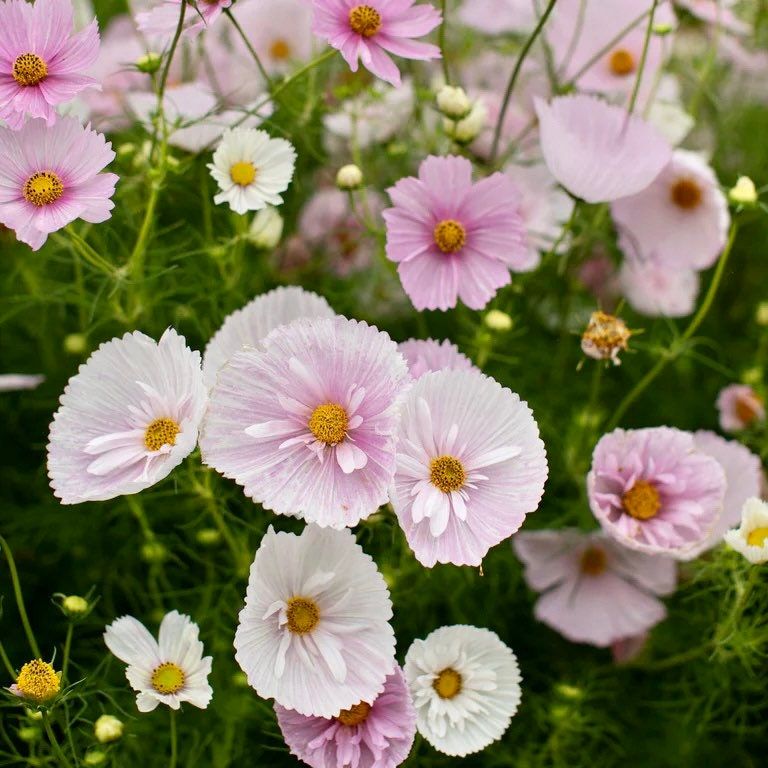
[(605, 337), (37, 681), (169, 670), (314, 633), (426, 355), (740, 407), (465, 685), (751, 537)]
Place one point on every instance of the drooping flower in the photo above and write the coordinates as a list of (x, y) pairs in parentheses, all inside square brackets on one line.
[(454, 239), (252, 169), (170, 670), (470, 466), (366, 735), (249, 325), (593, 589), (655, 289), (314, 633), (50, 176), (42, 60), (599, 152), (127, 418), (306, 423), (751, 537), (427, 355), (368, 32), (37, 681), (652, 490), (739, 407), (605, 337), (14, 382), (163, 19), (465, 684)]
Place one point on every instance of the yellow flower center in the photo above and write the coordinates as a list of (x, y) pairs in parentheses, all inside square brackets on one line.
[(328, 423), (161, 432), (447, 473), (29, 69), (747, 408), (593, 561), (621, 62), (641, 501), (757, 537), (280, 50), (447, 684), (243, 173), (303, 615), (354, 715), (364, 20), (38, 681), (168, 678), (686, 194), (450, 236), (606, 334), (43, 188)]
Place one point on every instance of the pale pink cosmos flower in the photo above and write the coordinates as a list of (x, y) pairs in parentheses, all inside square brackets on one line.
[(658, 290), (162, 19), (376, 734), (739, 407), (718, 13), (496, 17), (42, 60), (427, 355), (370, 31), (654, 491), (627, 649), (593, 589), (16, 382), (452, 238), (597, 151), (51, 175), (470, 466)]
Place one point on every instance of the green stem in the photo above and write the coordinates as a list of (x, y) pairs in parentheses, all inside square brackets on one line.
[(441, 44), (20, 599), (174, 740), (89, 254), (63, 762), (251, 49), (643, 58), (7, 663), (67, 652)]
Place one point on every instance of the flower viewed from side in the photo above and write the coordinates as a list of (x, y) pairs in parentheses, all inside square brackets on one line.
[(427, 355), (658, 290), (107, 729), (598, 152), (170, 670), (751, 537), (37, 681), (375, 735), (51, 175), (368, 32), (307, 423), (314, 633), (495, 17), (465, 685), (246, 327), (42, 60), (605, 337), (739, 407), (594, 589), (252, 169), (126, 419), (470, 466), (15, 382), (162, 19), (452, 238), (654, 491)]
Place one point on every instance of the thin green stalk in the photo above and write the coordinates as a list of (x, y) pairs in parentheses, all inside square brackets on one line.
[(7, 663), (643, 58), (20, 599), (174, 740), (441, 44), (89, 254), (251, 49), (55, 746), (67, 651)]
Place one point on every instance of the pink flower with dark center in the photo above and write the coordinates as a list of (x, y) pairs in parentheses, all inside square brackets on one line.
[(655, 289), (739, 407)]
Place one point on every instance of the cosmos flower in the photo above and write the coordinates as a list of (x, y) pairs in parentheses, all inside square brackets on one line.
[(170, 670), (718, 13), (427, 355), (605, 337), (656, 289), (593, 589), (50, 176), (739, 407), (163, 18), (370, 32), (597, 151), (126, 419), (247, 326), (37, 682), (465, 685), (14, 382), (252, 169), (314, 633), (375, 735), (497, 17), (751, 537), (470, 466), (453, 238), (42, 60), (652, 490), (307, 423)]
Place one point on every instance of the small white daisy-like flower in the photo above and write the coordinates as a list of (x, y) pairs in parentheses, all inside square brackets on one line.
[(169, 670), (751, 537), (252, 169), (465, 685)]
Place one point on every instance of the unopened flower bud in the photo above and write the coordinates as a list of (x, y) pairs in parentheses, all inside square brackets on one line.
[(349, 177), (153, 552), (75, 344), (467, 130), (743, 192), (74, 606), (497, 320), (29, 733), (605, 337), (94, 757), (453, 102), (761, 316), (662, 28), (149, 63), (266, 228), (208, 537), (108, 728)]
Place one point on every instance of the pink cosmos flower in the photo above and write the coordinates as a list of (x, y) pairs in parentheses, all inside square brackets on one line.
[(42, 60), (739, 407), (163, 19), (652, 490), (594, 590), (454, 239), (427, 355), (599, 152), (718, 13), (655, 289), (50, 176), (627, 649), (378, 734), (495, 17), (370, 31)]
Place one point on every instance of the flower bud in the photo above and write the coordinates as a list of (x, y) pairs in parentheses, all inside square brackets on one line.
[(662, 28), (467, 130), (74, 606), (94, 757), (208, 537), (149, 63), (453, 102), (743, 192), (349, 177), (29, 733), (153, 552), (75, 344), (497, 320), (266, 228), (761, 316), (108, 728)]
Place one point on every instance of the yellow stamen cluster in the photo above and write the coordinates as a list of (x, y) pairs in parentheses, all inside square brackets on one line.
[(38, 681), (686, 194), (243, 173), (747, 408), (364, 20), (280, 50), (605, 336), (450, 236), (354, 715), (593, 561), (328, 423), (161, 432), (448, 684), (447, 473), (757, 537), (303, 615), (168, 678), (621, 62), (43, 188), (29, 69), (642, 501)]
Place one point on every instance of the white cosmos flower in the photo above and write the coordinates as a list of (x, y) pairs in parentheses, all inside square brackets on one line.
[(13, 382), (252, 169), (169, 670), (751, 537), (465, 685)]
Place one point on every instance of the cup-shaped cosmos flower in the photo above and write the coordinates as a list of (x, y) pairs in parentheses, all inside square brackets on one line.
[(739, 407), (127, 418), (163, 18), (247, 326), (751, 537), (307, 423), (470, 466), (368, 32), (594, 590), (656, 289), (314, 633), (427, 355), (378, 734), (452, 238), (42, 60), (37, 682), (465, 684), (169, 670), (50, 176), (654, 491)]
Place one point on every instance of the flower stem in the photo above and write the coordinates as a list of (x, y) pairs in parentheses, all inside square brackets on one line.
[(20, 599), (251, 49), (67, 651), (441, 44), (55, 746), (174, 740), (643, 58)]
